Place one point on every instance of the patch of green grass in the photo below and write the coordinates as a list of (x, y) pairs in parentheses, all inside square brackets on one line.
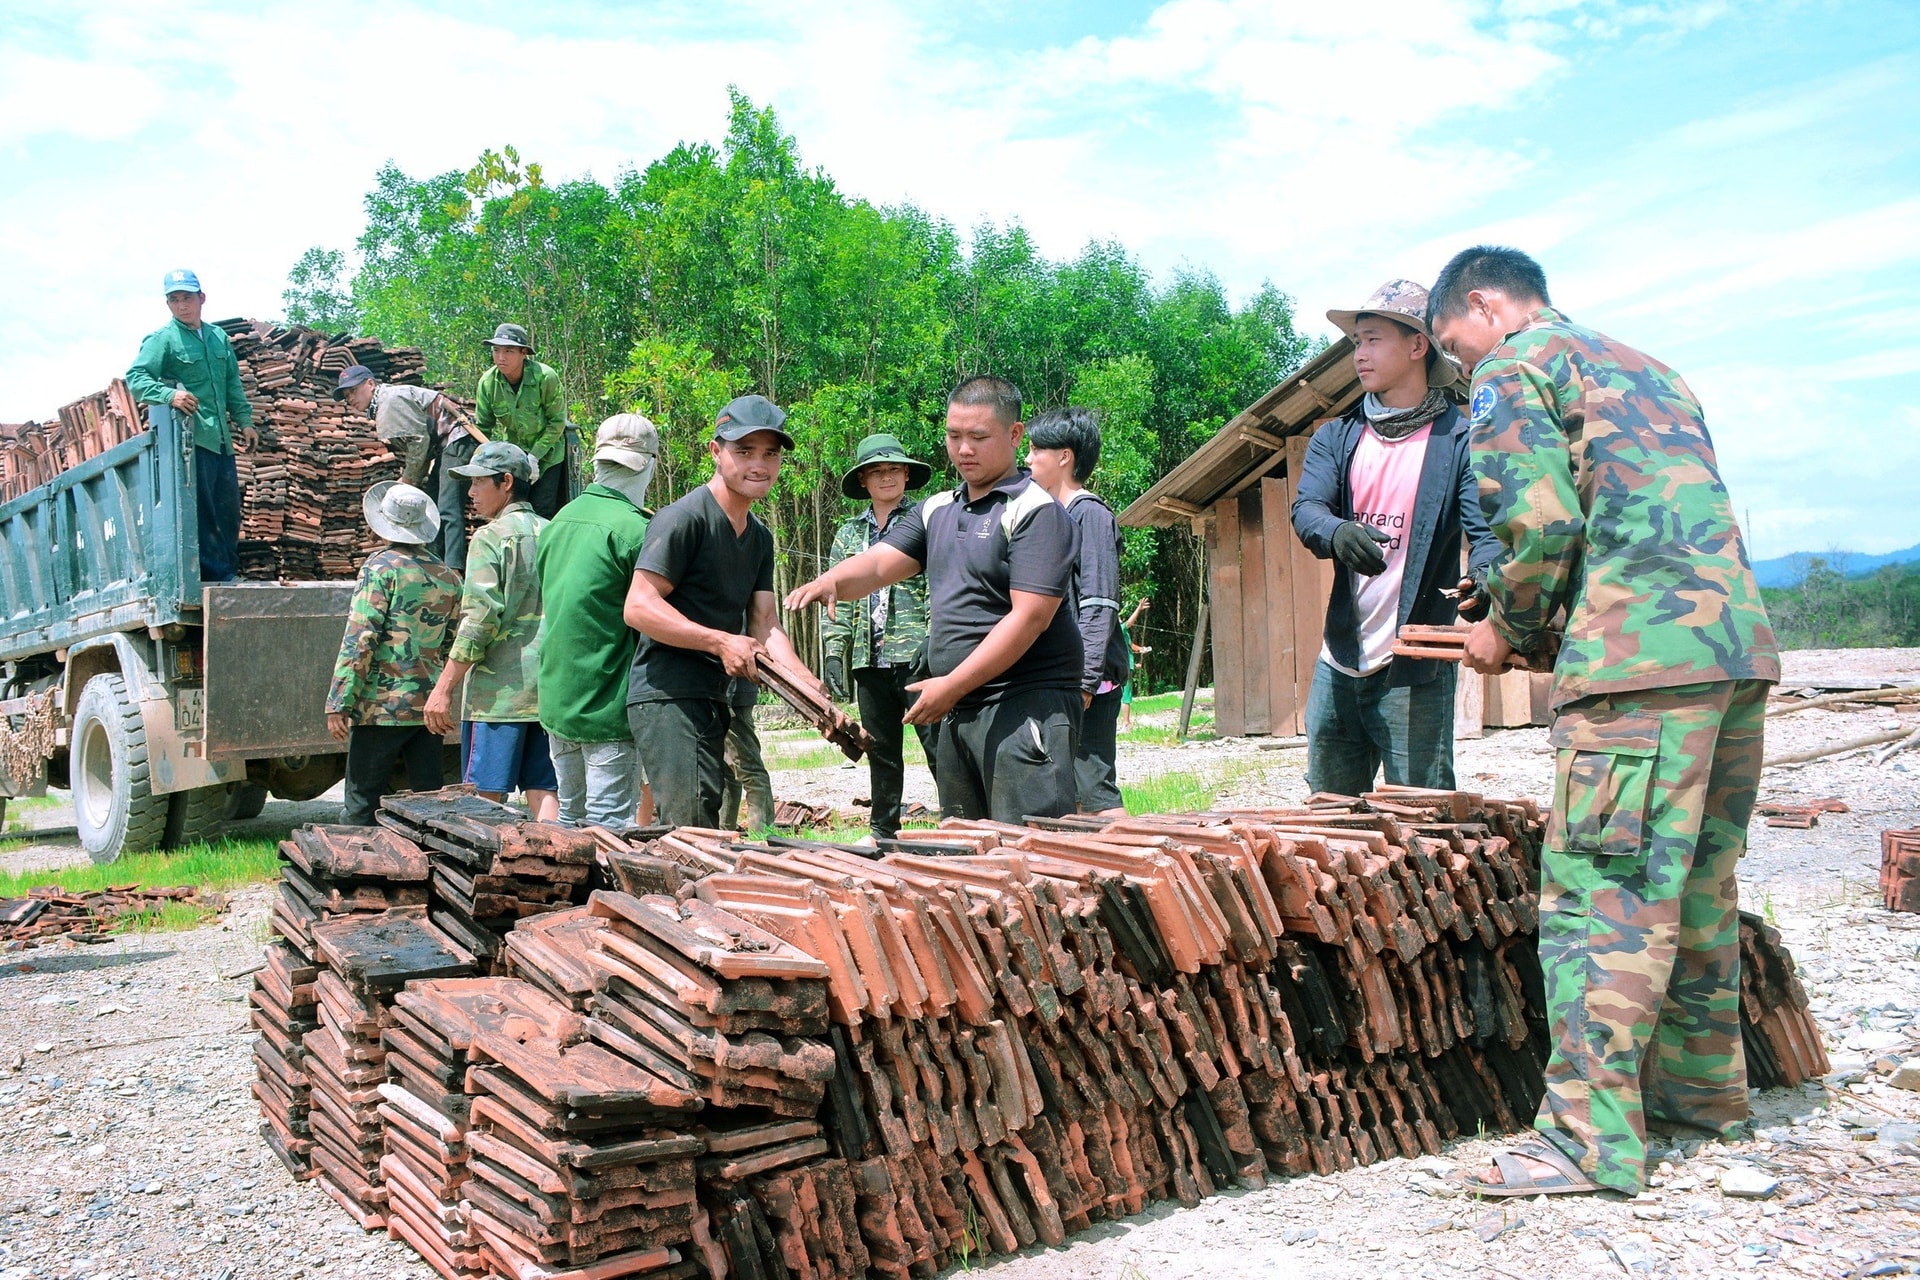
[(168, 917), (26, 803), (1170, 793), (815, 757), (226, 864)]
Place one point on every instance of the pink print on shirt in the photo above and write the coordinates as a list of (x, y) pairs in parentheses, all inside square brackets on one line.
[(1384, 480)]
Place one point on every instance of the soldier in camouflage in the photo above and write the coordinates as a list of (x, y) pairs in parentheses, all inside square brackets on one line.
[(1624, 567), (881, 640), (398, 629), (495, 664)]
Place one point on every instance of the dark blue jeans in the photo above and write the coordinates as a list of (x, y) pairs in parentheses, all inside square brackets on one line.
[(216, 488), (1356, 724)]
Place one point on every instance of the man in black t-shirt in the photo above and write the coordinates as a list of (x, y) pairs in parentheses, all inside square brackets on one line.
[(702, 601), (999, 555)]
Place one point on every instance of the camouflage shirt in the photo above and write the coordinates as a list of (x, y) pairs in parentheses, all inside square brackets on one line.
[(1598, 476), (398, 628), (500, 618), (901, 610)]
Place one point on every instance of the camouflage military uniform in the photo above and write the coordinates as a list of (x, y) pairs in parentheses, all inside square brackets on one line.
[(1597, 473), (880, 642), (500, 619), (398, 629)]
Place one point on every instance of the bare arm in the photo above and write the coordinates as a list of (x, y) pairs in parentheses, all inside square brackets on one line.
[(878, 566), (648, 612), (1012, 636)]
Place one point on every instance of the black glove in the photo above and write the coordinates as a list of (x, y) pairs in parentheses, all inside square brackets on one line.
[(1475, 600), (834, 675), (1358, 546)]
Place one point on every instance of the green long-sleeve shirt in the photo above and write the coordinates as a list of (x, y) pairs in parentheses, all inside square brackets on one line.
[(500, 618), (532, 415), (203, 362)]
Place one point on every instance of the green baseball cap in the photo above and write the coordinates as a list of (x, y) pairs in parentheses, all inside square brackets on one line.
[(498, 457), (882, 448)]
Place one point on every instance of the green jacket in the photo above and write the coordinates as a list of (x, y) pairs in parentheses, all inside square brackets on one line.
[(534, 416), (586, 558), (847, 633), (1597, 474), (395, 646), (174, 356), (500, 618)]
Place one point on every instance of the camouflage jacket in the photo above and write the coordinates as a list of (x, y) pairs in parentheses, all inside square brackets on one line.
[(1598, 476), (500, 618), (847, 633), (398, 628)]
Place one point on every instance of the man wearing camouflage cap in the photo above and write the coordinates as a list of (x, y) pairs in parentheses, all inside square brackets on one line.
[(1386, 493), (399, 625), (586, 560), (495, 664), (520, 401), (1625, 569), (432, 437)]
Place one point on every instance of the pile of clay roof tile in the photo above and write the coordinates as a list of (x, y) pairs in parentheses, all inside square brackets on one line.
[(1900, 870), (366, 960), (32, 453), (800, 1059), (285, 1008), (50, 913), (491, 867), (328, 871)]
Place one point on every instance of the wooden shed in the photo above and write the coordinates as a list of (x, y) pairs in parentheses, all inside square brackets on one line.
[(1267, 592)]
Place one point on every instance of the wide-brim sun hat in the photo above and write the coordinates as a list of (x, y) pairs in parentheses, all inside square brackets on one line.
[(876, 449), (1403, 302), (401, 513)]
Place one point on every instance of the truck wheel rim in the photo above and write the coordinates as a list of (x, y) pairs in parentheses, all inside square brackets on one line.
[(96, 769)]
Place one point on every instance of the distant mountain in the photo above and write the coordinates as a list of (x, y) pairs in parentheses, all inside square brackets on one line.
[(1787, 571)]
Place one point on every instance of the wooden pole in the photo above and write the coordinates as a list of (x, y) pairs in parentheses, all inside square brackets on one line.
[(1193, 657)]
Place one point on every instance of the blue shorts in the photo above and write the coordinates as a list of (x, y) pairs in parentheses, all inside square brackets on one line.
[(507, 757)]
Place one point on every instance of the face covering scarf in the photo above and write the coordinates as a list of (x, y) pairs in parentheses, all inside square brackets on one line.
[(1398, 424)]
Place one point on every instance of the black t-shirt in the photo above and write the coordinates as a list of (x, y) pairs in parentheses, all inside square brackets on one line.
[(976, 554), (715, 574)]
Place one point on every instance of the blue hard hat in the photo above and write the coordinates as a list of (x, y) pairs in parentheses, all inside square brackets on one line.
[(181, 280)]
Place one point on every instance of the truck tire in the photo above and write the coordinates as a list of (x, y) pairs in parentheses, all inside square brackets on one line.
[(246, 802), (195, 816), (114, 808)]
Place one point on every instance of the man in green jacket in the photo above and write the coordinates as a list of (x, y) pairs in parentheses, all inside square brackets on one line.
[(520, 401), (1625, 568), (880, 640), (496, 652), (586, 559), (398, 627), (189, 366)]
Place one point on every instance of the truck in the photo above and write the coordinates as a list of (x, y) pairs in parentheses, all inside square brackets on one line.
[(164, 704)]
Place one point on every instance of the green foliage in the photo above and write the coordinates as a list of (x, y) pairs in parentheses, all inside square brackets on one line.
[(718, 270), (315, 294), (1829, 611), (227, 864)]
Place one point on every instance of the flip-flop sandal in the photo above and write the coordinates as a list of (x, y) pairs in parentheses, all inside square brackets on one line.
[(1517, 1180)]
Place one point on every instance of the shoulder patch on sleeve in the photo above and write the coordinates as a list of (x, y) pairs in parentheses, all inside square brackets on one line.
[(1481, 409)]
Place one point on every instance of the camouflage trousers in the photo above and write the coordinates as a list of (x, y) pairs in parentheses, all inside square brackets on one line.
[(1639, 923)]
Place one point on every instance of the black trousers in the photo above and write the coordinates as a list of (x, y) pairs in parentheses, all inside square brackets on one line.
[(682, 744), (884, 700), (216, 493), (450, 492), (1010, 758), (1096, 765), (373, 750), (549, 492)]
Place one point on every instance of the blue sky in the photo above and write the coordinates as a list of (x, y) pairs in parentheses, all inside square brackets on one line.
[(1734, 188)]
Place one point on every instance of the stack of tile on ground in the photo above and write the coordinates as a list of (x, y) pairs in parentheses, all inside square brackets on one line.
[(580, 1162), (1782, 1040), (775, 1206), (1900, 870), (491, 867), (328, 871), (426, 1109), (718, 1006), (285, 1008), (367, 959)]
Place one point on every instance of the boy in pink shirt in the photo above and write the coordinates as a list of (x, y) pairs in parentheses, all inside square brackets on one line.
[(1387, 493)]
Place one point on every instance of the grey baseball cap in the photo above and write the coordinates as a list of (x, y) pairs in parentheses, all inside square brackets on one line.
[(745, 415), (627, 440)]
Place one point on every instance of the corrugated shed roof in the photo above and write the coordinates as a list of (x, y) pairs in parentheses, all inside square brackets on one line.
[(1245, 449)]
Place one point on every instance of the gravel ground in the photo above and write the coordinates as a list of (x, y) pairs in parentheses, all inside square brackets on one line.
[(130, 1145)]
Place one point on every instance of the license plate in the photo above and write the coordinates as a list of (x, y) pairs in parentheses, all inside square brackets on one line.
[(190, 710)]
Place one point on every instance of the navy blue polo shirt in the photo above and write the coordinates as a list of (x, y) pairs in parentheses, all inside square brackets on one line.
[(976, 554)]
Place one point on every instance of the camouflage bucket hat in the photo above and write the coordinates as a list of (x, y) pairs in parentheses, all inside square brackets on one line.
[(876, 449), (1403, 302), (401, 513)]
